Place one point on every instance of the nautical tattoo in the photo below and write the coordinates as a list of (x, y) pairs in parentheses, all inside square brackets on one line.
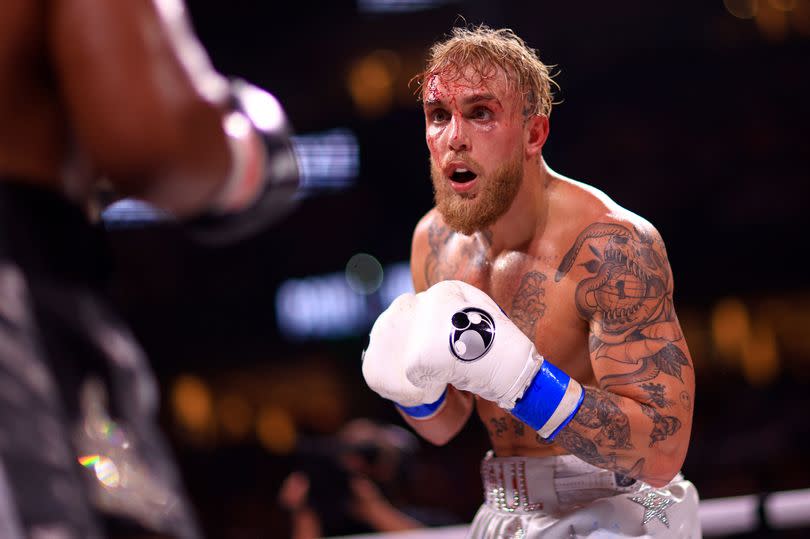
[(598, 411), (628, 300), (528, 306), (663, 425), (656, 394)]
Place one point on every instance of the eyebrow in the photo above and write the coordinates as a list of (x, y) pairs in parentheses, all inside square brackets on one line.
[(468, 100)]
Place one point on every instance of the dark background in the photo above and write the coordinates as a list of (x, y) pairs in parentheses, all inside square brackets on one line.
[(684, 113)]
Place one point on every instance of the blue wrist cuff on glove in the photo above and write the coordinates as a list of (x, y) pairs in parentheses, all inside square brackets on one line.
[(550, 401), (424, 411)]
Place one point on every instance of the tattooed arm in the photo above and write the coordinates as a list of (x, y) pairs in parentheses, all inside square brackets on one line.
[(426, 270), (638, 421)]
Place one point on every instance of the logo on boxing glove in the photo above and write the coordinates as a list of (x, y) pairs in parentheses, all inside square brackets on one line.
[(472, 335)]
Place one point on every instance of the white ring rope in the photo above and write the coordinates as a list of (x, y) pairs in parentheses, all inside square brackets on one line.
[(718, 517)]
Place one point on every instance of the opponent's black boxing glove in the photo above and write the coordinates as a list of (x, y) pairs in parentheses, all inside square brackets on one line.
[(264, 175)]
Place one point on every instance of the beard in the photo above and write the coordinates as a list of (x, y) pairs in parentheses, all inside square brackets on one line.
[(470, 213)]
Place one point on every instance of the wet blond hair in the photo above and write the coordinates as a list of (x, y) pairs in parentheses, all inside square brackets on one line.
[(485, 50)]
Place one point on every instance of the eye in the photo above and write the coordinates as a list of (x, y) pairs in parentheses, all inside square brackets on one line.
[(481, 113), (438, 115)]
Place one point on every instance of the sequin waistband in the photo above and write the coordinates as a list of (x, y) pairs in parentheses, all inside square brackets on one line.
[(528, 484)]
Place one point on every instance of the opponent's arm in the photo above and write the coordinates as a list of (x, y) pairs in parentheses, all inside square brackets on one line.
[(154, 117), (440, 420), (145, 103), (638, 421)]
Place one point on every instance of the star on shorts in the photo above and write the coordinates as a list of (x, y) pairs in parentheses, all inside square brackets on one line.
[(655, 505)]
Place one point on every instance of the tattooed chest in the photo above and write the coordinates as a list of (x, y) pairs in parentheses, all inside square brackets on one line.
[(466, 262), (522, 295), (521, 283)]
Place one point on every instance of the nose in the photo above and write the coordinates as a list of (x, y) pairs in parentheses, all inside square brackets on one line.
[(458, 135)]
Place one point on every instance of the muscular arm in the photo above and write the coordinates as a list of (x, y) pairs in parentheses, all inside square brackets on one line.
[(142, 97), (638, 421), (458, 405)]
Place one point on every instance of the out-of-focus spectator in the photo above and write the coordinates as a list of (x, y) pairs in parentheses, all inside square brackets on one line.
[(355, 482)]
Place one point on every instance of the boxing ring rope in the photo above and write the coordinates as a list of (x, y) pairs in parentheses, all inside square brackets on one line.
[(743, 514), (719, 517)]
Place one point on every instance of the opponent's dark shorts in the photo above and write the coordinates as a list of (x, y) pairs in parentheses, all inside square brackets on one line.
[(80, 451)]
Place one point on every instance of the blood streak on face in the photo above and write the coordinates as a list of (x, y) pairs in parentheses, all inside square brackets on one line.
[(476, 146)]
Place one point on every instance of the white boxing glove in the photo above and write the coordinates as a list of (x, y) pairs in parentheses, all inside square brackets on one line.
[(384, 361), (455, 334), (467, 341)]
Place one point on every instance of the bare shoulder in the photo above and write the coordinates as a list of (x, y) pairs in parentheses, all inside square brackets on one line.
[(580, 207), (604, 236), (589, 204)]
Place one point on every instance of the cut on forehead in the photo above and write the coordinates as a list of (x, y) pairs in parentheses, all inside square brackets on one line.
[(469, 76), (477, 55), (487, 82)]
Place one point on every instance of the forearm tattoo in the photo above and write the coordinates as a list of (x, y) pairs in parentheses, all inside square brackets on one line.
[(581, 446), (663, 426), (598, 411), (610, 446), (655, 393), (588, 451)]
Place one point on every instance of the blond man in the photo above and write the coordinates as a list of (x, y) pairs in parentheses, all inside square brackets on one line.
[(544, 306)]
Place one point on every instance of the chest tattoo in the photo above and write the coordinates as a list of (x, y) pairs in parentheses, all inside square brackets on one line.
[(464, 263), (529, 305), (435, 267)]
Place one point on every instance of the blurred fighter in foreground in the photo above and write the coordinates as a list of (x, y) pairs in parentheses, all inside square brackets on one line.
[(547, 307), (123, 91)]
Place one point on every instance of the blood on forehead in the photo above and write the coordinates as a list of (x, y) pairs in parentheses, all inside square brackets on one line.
[(449, 81)]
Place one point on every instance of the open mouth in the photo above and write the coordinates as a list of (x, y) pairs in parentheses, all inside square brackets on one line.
[(462, 175)]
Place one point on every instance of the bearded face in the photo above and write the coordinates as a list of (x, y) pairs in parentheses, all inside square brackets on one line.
[(479, 209), (475, 130)]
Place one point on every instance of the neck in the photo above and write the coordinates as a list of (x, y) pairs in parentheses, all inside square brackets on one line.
[(526, 217)]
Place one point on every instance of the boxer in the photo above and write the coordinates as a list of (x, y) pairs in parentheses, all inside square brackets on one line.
[(123, 92), (544, 305)]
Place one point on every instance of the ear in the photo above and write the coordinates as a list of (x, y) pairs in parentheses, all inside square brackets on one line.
[(535, 134)]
